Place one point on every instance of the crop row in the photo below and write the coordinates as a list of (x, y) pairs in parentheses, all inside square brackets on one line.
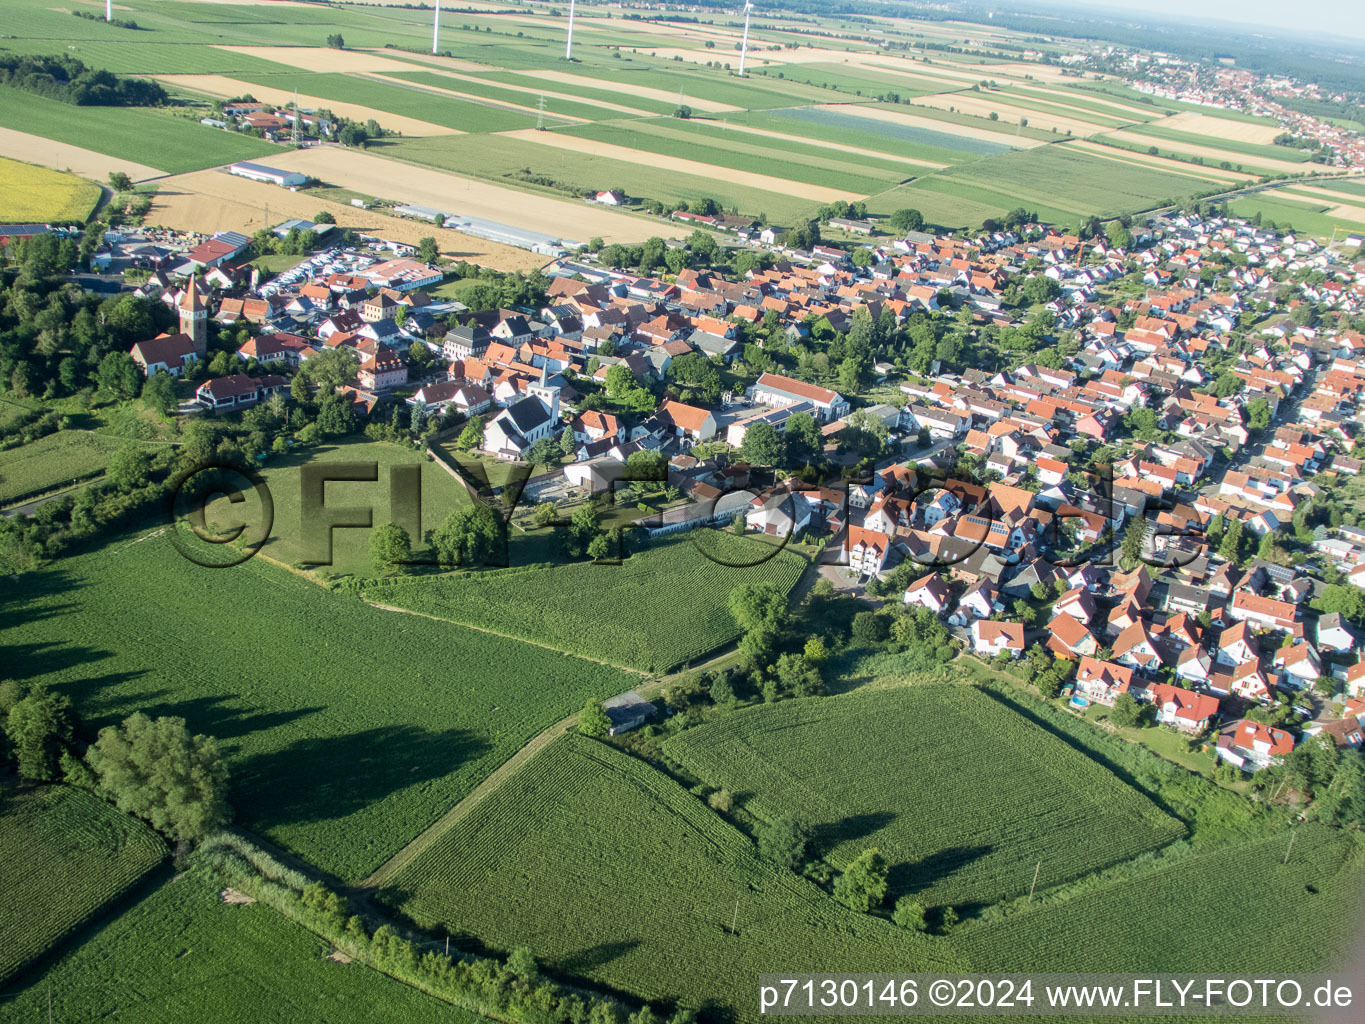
[(66, 854), (965, 798)]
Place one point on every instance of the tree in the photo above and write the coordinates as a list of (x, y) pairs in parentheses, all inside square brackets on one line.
[(470, 535), (1127, 712), (758, 606), (427, 250), (471, 436), (390, 547), (870, 627), (862, 886), (156, 770), (545, 514), (567, 444), (119, 375), (909, 914), (336, 415), (1231, 547), (39, 727), (599, 548), (722, 692), (159, 393), (1344, 599), (816, 652), (593, 720), (1131, 551), (128, 467), (798, 676), (1040, 288), (762, 445), (1258, 414), (336, 42), (782, 842), (523, 965), (906, 219), (803, 440), (120, 182)]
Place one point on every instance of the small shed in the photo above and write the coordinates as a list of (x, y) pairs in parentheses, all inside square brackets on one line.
[(628, 711)]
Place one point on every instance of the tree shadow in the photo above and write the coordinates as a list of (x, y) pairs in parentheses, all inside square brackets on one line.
[(586, 961), (325, 777), (854, 827), (916, 876), (48, 657)]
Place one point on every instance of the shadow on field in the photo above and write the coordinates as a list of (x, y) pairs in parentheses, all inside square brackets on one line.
[(588, 960), (32, 597), (855, 826), (326, 777), (921, 874)]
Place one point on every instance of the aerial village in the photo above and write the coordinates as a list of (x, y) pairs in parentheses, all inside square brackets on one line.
[(1159, 506)]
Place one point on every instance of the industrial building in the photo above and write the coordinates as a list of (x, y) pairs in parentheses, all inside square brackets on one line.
[(269, 175)]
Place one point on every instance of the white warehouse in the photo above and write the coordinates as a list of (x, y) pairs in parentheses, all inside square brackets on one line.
[(270, 175)]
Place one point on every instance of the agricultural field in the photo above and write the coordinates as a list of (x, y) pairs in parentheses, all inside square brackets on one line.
[(348, 729), (37, 194), (175, 143), (182, 954), (611, 612), (67, 854), (609, 870), (54, 461), (1193, 913), (1033, 799), (1300, 215), (441, 494)]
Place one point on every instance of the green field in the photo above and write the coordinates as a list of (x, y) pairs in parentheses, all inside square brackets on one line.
[(158, 138), (184, 955), (992, 795), (507, 160), (54, 461), (554, 106), (809, 165), (66, 854), (441, 494), (1195, 913), (1250, 149), (1304, 217), (657, 609), (348, 729), (607, 869)]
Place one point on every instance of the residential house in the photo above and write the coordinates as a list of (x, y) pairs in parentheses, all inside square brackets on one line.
[(928, 592), (992, 638)]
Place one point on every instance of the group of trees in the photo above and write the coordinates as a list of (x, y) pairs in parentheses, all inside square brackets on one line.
[(154, 769), (67, 79)]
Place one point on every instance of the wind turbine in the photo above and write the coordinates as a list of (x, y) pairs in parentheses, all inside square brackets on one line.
[(436, 29), (568, 47), (744, 46), (108, 10)]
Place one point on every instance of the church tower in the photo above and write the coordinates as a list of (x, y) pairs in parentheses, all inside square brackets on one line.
[(194, 318)]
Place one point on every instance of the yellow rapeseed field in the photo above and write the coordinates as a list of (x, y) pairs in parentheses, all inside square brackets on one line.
[(30, 194)]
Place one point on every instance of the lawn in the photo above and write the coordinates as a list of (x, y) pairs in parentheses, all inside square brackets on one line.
[(54, 461), (348, 729), (171, 143), (607, 869), (657, 609), (963, 796), (182, 954), (36, 194), (66, 854)]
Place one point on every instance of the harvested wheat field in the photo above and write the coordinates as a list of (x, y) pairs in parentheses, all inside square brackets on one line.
[(1004, 137), (1039, 72), (984, 106), (1129, 156), (1219, 155), (210, 201), (59, 156), (445, 63), (322, 58), (663, 95), (400, 182), (680, 165), (224, 87), (1220, 127)]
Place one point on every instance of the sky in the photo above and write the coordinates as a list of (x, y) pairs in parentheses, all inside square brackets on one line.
[(1326, 17)]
